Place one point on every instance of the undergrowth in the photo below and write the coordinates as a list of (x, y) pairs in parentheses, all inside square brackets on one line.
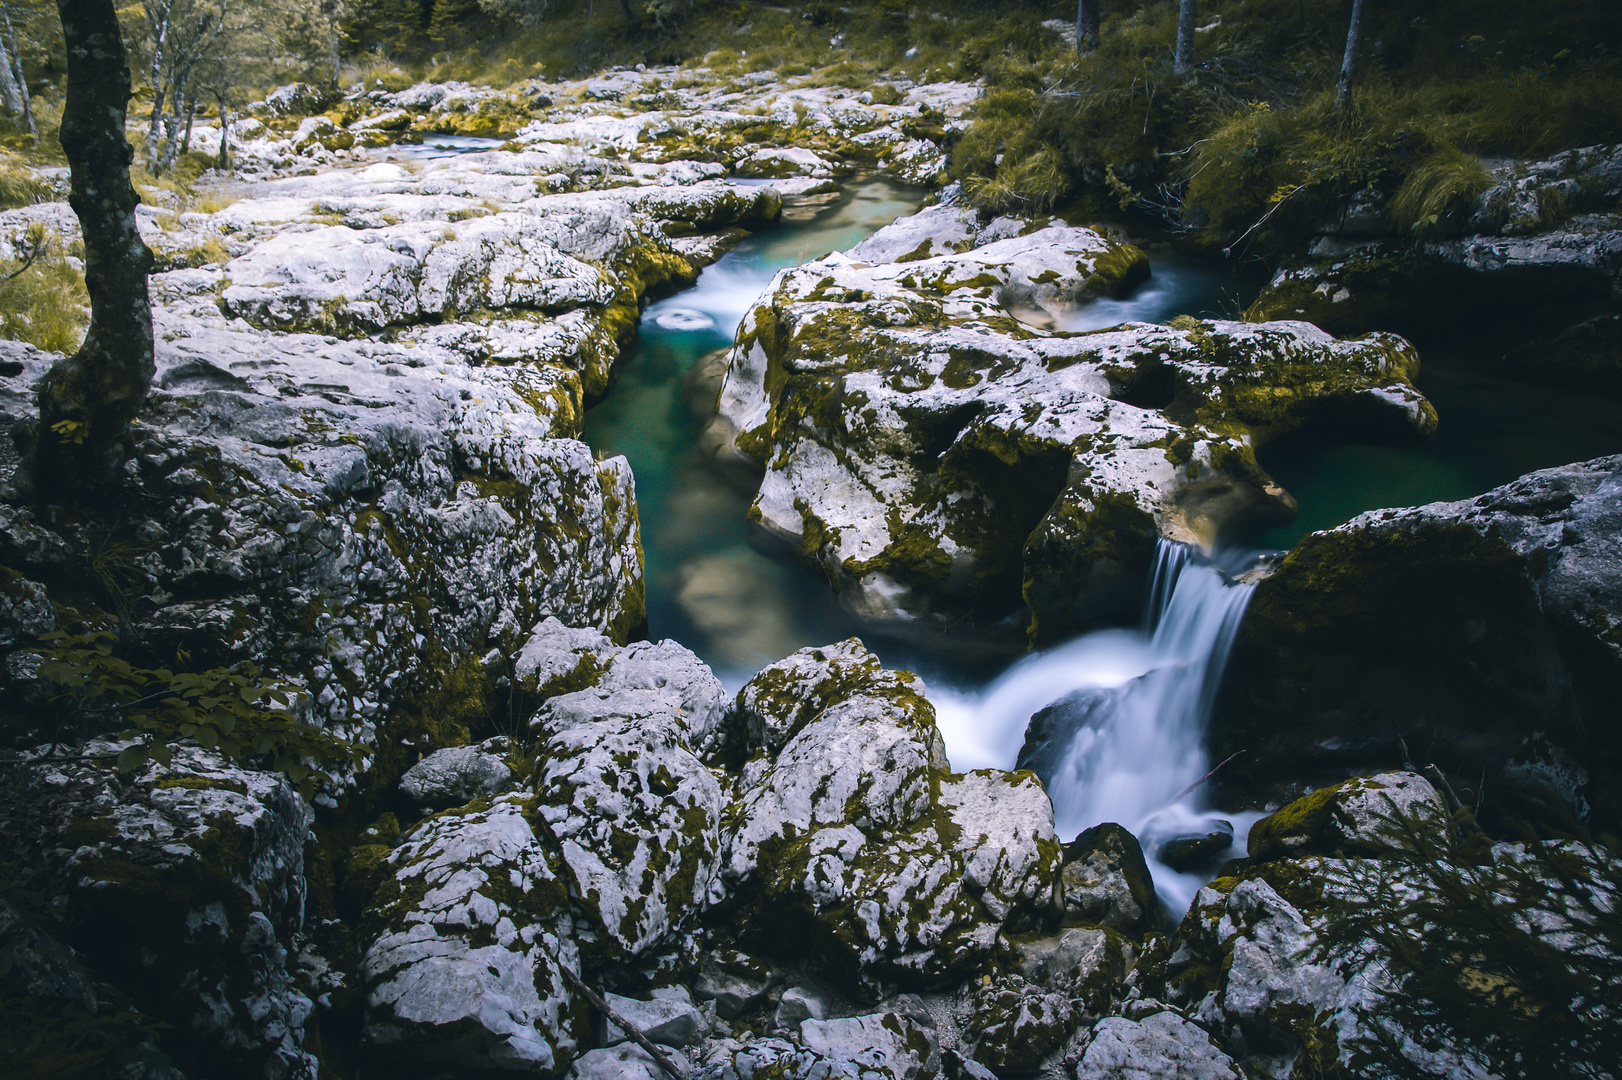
[(1251, 148), (42, 293)]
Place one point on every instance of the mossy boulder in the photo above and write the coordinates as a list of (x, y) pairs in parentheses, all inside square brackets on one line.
[(184, 887), (850, 837), (1352, 817), (1482, 633), (635, 812), (948, 465), (466, 939), (1015, 1025), (1107, 881)]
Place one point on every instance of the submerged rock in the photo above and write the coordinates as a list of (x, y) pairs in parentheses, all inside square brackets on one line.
[(1485, 634), (948, 465)]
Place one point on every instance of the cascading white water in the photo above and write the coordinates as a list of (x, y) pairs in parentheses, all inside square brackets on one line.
[(1128, 737)]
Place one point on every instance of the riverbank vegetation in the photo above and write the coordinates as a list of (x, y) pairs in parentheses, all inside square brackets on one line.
[(1239, 154)]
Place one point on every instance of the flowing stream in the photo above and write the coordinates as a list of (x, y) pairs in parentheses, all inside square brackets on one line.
[(1123, 740)]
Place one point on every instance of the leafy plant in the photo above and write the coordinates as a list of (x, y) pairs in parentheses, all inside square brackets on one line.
[(235, 710)]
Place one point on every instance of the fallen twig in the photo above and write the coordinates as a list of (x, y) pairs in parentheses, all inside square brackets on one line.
[(1173, 800), (658, 1055)]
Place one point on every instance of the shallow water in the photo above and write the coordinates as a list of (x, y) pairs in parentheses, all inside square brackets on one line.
[(1493, 429), (737, 606)]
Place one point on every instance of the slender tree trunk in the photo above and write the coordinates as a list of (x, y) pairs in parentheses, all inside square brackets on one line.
[(8, 84), (1348, 66), (1086, 25), (223, 162), (158, 16), (87, 400), (1184, 63), (1407, 17), (330, 9), (191, 116), (21, 77)]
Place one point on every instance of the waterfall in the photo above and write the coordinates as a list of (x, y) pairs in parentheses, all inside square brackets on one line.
[(1120, 716)]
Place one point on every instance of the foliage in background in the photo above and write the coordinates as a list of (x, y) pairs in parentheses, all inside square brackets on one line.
[(1252, 148), (1514, 951), (42, 293), (236, 711)]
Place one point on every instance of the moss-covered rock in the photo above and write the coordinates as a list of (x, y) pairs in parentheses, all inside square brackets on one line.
[(634, 810), (1482, 634), (1107, 881), (949, 465), (850, 837), (1015, 1025), (466, 939), (186, 889), (1352, 817)]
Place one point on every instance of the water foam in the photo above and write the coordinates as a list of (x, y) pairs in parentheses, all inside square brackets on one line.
[(1128, 738)]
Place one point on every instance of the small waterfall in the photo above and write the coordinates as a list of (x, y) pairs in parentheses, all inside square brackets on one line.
[(1119, 716)]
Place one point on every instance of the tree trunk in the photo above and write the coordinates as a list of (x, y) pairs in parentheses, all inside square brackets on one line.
[(1086, 25), (1184, 62), (330, 10), (1348, 66), (191, 116), (158, 16), (86, 401), (8, 84), (223, 162), (21, 77)]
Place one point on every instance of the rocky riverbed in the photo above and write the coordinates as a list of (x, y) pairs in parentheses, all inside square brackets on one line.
[(360, 468)]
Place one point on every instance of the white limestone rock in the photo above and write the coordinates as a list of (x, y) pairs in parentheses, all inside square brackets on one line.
[(668, 1017), (899, 1043), (1361, 816), (476, 923), (852, 838), (948, 465), (1162, 1046), (635, 812), (458, 775)]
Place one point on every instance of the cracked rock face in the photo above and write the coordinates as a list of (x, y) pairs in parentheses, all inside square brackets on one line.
[(851, 834), (1499, 648), (949, 465)]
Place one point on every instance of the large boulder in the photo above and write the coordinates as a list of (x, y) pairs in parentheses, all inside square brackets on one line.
[(851, 838), (948, 465), (1485, 635), (183, 886), (634, 811), (473, 924)]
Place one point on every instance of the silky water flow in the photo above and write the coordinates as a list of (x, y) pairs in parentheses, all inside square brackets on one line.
[(1120, 717)]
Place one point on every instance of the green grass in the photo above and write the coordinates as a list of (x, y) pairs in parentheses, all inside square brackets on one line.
[(1252, 149), (43, 301)]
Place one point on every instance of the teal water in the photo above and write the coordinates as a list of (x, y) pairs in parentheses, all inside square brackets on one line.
[(738, 605), (1493, 429)]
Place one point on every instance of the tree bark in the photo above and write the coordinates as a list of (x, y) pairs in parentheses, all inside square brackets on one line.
[(8, 83), (158, 15), (1184, 62), (223, 162), (1086, 25), (21, 76), (87, 400), (1348, 66)]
